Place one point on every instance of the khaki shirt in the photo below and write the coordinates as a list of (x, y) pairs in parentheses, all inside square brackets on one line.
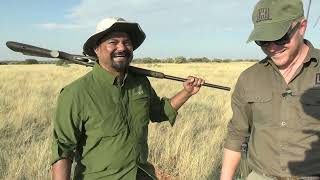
[(104, 125), (282, 121)]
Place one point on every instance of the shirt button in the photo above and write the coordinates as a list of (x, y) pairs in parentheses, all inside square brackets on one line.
[(283, 123)]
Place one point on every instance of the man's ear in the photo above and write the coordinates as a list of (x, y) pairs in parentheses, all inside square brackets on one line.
[(97, 50), (303, 26)]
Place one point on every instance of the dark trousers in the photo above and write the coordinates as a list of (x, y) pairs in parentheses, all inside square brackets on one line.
[(141, 175)]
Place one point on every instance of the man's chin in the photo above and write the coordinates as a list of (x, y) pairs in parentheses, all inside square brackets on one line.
[(120, 66), (278, 58), (281, 62)]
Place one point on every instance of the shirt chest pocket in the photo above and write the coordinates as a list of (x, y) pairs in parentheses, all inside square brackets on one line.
[(139, 108), (310, 103), (261, 108), (108, 123)]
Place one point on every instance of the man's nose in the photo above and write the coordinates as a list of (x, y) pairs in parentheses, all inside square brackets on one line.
[(121, 46), (272, 47)]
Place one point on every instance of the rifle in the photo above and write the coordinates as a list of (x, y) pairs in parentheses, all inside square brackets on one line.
[(30, 50)]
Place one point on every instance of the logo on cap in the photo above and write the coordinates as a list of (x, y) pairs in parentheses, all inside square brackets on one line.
[(263, 15)]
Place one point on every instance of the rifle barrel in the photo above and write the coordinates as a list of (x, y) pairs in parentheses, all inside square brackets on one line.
[(205, 84)]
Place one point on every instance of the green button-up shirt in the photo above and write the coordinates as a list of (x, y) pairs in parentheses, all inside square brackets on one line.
[(103, 125), (282, 121)]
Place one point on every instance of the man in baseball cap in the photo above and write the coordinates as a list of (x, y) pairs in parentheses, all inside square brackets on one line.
[(272, 19), (102, 118), (276, 101)]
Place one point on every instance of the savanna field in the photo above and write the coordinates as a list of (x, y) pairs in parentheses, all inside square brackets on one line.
[(190, 150)]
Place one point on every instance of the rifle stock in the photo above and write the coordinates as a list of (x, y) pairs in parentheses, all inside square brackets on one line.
[(30, 50)]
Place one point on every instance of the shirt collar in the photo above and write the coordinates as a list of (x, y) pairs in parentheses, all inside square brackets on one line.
[(103, 75), (312, 55), (266, 61)]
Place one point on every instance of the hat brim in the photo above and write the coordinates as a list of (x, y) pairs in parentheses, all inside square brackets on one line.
[(137, 36), (269, 31)]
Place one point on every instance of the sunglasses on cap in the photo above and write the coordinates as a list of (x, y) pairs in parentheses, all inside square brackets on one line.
[(282, 41)]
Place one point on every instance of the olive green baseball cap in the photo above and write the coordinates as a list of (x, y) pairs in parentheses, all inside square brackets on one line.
[(273, 18)]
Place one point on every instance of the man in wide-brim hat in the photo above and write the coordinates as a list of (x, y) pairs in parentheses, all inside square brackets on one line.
[(102, 118)]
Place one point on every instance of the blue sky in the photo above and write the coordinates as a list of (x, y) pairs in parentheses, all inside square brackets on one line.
[(203, 28)]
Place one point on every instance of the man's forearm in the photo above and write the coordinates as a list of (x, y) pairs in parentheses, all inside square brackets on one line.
[(230, 164), (179, 99), (61, 169)]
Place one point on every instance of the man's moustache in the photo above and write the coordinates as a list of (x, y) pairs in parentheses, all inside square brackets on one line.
[(123, 53)]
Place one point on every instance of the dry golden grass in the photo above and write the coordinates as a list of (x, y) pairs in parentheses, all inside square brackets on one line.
[(191, 149)]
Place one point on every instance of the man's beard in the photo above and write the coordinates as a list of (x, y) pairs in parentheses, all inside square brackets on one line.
[(122, 65)]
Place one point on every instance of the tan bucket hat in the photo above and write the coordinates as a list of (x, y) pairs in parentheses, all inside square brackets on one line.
[(113, 24)]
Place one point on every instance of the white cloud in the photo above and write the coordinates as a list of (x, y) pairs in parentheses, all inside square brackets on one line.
[(54, 26), (163, 15)]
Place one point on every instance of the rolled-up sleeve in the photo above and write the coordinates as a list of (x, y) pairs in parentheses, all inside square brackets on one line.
[(161, 109), (66, 126), (239, 125)]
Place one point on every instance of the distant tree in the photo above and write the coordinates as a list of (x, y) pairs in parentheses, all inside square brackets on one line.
[(253, 60), (216, 60), (31, 61), (48, 62), (60, 62), (194, 60), (203, 59), (168, 60), (156, 60), (180, 59), (227, 60), (146, 60)]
